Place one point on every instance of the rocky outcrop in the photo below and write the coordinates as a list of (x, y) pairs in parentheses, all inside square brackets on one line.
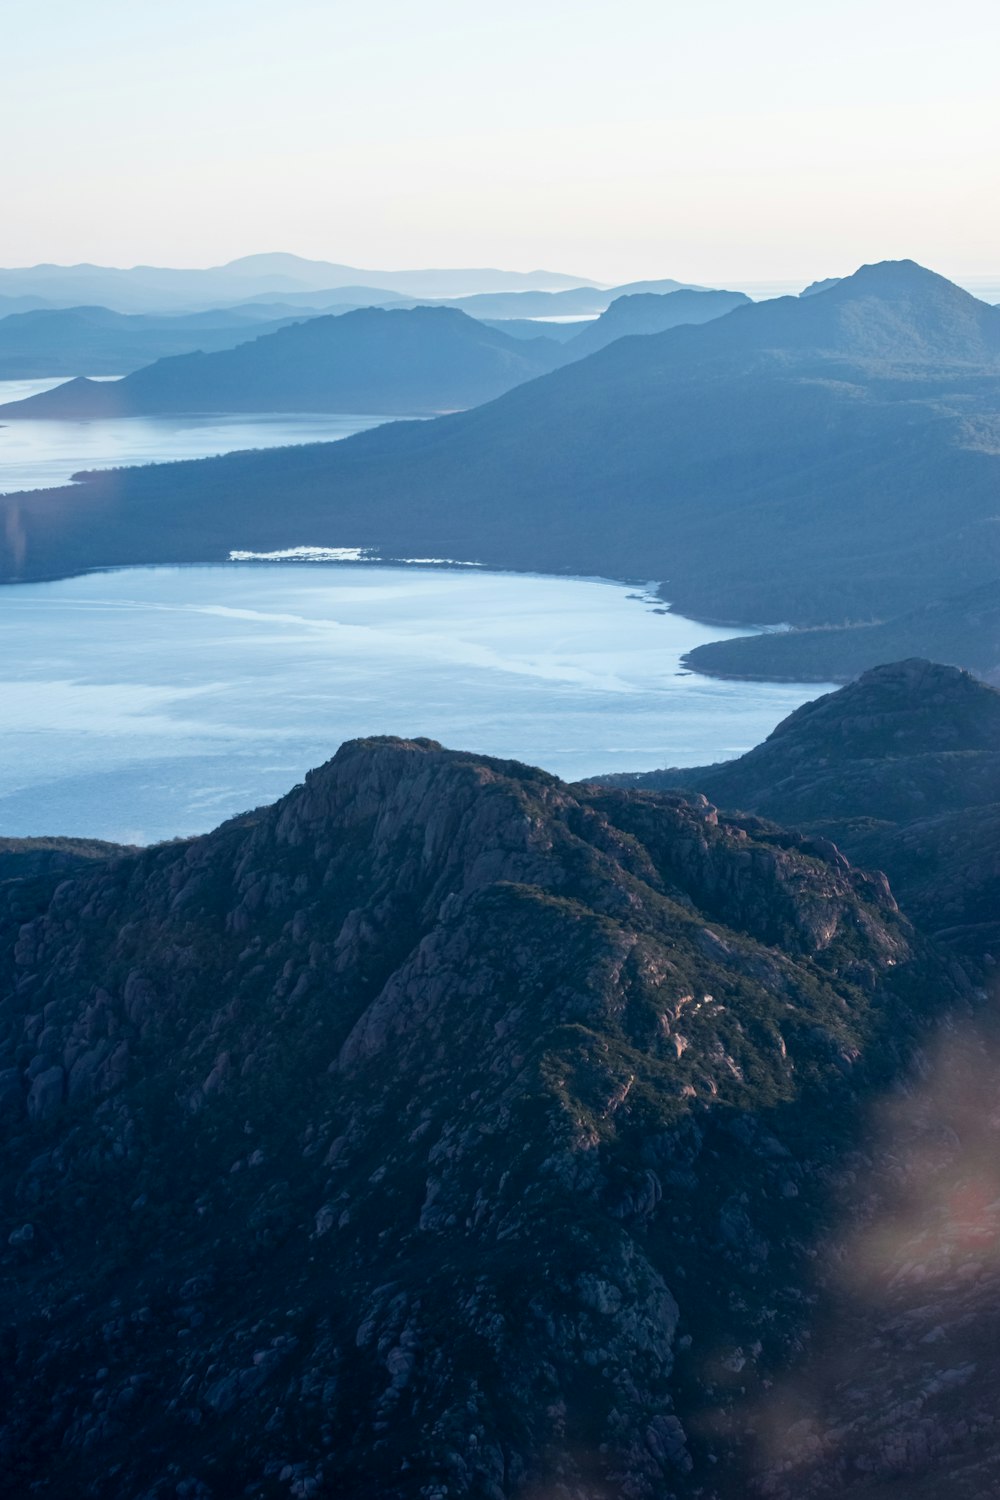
[(901, 770), (441, 1130)]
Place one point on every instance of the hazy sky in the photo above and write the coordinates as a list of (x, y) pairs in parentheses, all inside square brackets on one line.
[(712, 140)]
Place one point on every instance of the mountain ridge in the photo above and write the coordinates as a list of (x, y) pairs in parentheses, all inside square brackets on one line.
[(368, 360), (144, 288), (620, 1041), (962, 630), (96, 341), (901, 769), (643, 313), (775, 465)]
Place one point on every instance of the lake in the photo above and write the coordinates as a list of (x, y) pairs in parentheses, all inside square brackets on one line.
[(35, 455), (150, 702)]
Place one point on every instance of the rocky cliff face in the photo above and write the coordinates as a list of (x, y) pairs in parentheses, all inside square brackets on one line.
[(439, 1131), (902, 770)]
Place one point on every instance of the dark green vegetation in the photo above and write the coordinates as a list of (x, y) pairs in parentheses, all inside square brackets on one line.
[(52, 856), (817, 460), (370, 360), (901, 769), (440, 1130), (963, 629)]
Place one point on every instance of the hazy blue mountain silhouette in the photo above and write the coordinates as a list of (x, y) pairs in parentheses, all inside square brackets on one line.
[(813, 460), (97, 341), (563, 303), (652, 312), (371, 360), (330, 298), (536, 328), (160, 288)]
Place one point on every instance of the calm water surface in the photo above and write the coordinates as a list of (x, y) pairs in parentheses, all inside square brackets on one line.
[(141, 704), (35, 455)]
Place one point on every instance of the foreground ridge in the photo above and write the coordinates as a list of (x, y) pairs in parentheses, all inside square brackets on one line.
[(441, 1129), (902, 770)]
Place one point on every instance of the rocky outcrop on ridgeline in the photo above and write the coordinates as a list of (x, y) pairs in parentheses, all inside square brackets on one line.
[(30, 867), (900, 769), (25, 858), (441, 1130)]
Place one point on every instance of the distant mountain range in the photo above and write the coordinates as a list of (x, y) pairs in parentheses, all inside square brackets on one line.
[(528, 328), (96, 341), (372, 360), (572, 302), (630, 313), (99, 341), (159, 288), (651, 312), (811, 460)]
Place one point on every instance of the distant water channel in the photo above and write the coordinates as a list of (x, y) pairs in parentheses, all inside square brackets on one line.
[(149, 702), (36, 455)]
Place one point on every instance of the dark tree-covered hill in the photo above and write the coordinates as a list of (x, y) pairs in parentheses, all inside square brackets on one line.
[(902, 770), (372, 360), (442, 1129)]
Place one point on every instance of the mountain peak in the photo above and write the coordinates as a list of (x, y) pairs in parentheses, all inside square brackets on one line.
[(896, 278), (376, 1093), (906, 707), (889, 313)]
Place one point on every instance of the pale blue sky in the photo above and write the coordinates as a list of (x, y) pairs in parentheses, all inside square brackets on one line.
[(710, 141)]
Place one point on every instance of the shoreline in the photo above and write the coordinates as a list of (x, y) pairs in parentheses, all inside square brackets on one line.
[(653, 594)]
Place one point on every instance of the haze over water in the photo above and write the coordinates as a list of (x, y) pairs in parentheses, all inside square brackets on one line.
[(152, 702), (35, 455)]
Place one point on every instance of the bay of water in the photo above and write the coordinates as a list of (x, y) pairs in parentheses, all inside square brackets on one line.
[(35, 455), (150, 702)]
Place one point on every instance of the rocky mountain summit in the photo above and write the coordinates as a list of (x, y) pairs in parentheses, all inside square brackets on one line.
[(441, 1130), (902, 769)]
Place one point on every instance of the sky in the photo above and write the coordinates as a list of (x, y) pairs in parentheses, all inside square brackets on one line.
[(714, 141)]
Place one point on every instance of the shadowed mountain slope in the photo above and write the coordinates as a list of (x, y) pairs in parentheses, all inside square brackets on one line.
[(527, 328), (902, 770), (22, 858), (441, 1125), (812, 460), (635, 313), (371, 360), (93, 339), (963, 630), (570, 301), (651, 312)]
